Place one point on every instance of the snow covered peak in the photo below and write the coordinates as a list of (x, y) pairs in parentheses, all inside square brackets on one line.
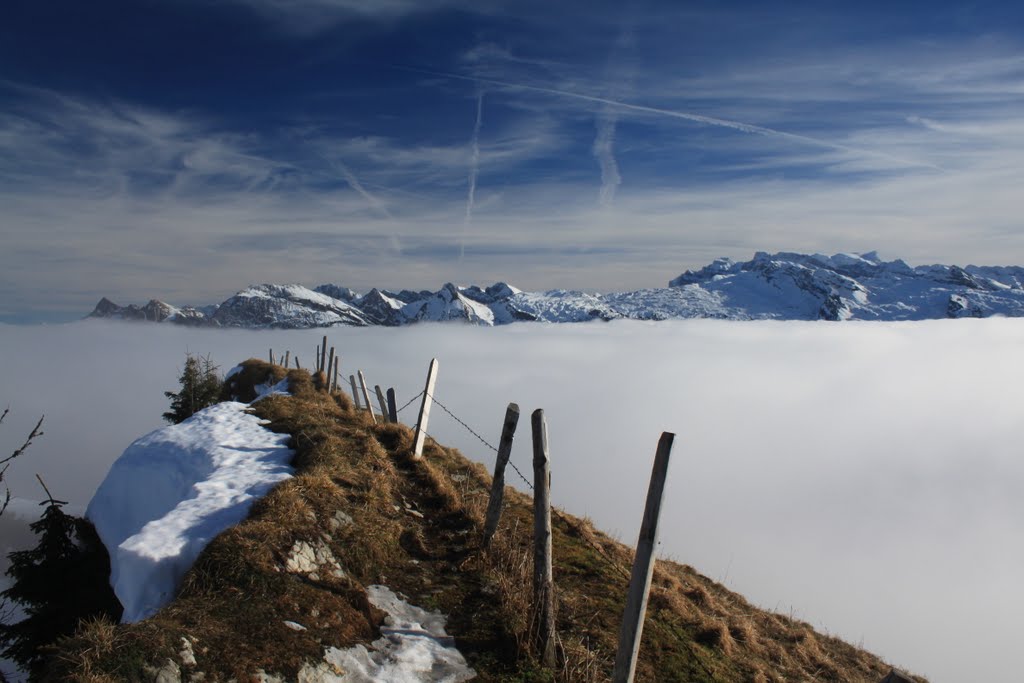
[(781, 285), (287, 306)]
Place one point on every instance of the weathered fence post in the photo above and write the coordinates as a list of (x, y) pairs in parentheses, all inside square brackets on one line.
[(287, 359), (392, 405), (355, 391), (271, 356), (643, 568), (366, 397), (330, 370), (316, 359), (428, 400), (508, 431), (336, 364), (543, 578), (381, 402), (323, 354), (297, 366)]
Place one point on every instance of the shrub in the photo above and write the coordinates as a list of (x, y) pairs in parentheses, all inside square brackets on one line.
[(200, 388)]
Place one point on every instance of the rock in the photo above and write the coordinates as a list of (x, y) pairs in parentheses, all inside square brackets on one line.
[(308, 559), (188, 657), (340, 520), (168, 673)]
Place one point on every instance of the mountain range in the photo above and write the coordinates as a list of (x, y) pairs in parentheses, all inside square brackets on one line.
[(780, 286)]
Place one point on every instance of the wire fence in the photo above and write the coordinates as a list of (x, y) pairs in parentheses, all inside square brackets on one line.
[(598, 548), (554, 511)]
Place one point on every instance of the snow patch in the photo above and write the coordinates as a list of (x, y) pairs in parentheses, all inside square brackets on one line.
[(176, 488), (268, 389), (413, 648)]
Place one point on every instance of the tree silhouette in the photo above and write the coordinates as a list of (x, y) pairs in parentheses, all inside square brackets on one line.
[(200, 387), (61, 581)]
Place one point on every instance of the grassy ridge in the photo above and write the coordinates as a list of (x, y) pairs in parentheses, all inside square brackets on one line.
[(382, 517)]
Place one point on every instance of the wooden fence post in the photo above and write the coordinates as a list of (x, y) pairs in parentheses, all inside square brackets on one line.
[(355, 391), (323, 355), (330, 370), (316, 359), (287, 359), (392, 405), (643, 568), (366, 397), (428, 400), (381, 402), (508, 431), (271, 356), (336, 364), (543, 578)]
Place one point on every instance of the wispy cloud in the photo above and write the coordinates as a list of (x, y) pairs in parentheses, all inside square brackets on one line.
[(604, 150), (474, 169), (683, 115), (316, 16)]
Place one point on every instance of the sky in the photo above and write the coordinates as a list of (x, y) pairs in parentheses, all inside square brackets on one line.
[(182, 150), (863, 477)]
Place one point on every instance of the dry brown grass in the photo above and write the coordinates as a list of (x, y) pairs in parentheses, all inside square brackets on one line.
[(416, 526)]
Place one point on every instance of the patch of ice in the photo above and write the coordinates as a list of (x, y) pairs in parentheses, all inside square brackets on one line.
[(413, 648)]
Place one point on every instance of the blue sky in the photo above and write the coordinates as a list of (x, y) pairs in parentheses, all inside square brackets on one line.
[(184, 149)]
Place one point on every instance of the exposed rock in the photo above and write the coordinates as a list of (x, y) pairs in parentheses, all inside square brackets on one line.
[(188, 657), (340, 520), (168, 673), (310, 558)]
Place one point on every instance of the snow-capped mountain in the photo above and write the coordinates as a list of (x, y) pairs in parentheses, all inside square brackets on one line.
[(782, 286)]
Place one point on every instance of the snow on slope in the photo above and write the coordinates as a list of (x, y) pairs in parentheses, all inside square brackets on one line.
[(176, 488), (286, 306), (782, 286), (413, 647)]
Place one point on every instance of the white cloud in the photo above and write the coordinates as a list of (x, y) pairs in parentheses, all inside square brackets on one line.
[(871, 488)]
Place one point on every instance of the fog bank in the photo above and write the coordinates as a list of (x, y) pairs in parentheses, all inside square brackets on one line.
[(863, 476)]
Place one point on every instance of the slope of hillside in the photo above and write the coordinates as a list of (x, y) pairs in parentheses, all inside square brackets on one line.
[(277, 596)]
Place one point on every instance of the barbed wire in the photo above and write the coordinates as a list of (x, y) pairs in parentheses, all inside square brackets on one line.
[(468, 428), (521, 475), (664, 628), (409, 402), (597, 548)]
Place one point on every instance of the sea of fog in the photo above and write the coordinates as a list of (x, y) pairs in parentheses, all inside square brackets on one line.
[(864, 477)]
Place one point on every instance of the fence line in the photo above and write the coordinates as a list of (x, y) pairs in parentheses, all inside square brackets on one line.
[(554, 511), (332, 362)]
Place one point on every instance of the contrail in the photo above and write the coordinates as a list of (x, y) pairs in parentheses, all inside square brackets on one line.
[(603, 150), (354, 183), (607, 119), (371, 199), (686, 116), (474, 170)]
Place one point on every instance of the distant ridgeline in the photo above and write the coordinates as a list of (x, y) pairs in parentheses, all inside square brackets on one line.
[(782, 286)]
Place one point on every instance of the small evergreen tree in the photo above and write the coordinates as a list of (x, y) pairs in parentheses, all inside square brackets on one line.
[(61, 581), (200, 388), (6, 612)]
